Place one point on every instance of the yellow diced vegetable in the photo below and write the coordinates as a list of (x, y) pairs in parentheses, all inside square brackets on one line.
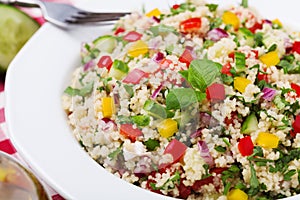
[(270, 59), (241, 83), (167, 128), (277, 22), (108, 107), (155, 12), (230, 18), (267, 140), (138, 48), (237, 194)]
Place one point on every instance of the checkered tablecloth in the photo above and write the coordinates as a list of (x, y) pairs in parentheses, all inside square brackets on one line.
[(5, 142)]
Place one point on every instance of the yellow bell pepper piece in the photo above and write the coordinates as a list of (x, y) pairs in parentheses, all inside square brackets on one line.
[(167, 128), (229, 18), (267, 140), (138, 48), (277, 22), (154, 13), (108, 107), (270, 59), (240, 84), (237, 194)]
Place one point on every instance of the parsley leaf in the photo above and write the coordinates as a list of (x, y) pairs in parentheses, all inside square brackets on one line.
[(151, 144), (288, 176), (86, 90)]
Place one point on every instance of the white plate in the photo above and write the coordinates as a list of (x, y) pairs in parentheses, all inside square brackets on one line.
[(37, 124)]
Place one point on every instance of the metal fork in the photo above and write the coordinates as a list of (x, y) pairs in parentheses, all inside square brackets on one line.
[(64, 15)]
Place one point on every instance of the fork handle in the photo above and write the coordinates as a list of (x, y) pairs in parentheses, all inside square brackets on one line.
[(22, 3)]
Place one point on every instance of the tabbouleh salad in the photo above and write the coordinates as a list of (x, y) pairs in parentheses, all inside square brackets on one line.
[(195, 102)]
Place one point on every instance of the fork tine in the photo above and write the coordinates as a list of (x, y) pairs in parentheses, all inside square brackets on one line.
[(91, 20), (93, 14)]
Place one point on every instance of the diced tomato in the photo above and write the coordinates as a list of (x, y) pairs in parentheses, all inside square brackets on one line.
[(199, 183), (296, 88), (255, 27), (132, 36), (231, 55), (175, 6), (130, 132), (228, 121), (164, 64), (262, 77), (190, 25), (246, 146), (215, 92), (296, 47), (186, 57), (296, 126), (105, 61), (226, 69), (256, 53), (176, 149), (119, 30), (134, 76), (184, 191)]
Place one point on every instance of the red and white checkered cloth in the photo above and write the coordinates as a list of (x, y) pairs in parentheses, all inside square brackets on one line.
[(5, 143)]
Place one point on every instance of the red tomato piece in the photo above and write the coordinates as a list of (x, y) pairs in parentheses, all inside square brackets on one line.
[(134, 76), (215, 92), (246, 146), (255, 27), (190, 25), (296, 47), (119, 30), (105, 61), (186, 57), (132, 36), (176, 149), (199, 183), (296, 124), (262, 77), (296, 88), (231, 55), (164, 64), (130, 132), (175, 6), (226, 69), (184, 191), (256, 53)]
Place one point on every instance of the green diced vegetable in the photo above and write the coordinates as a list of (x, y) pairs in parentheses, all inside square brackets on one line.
[(163, 30), (129, 90), (240, 62), (141, 120), (106, 43), (247, 35), (119, 69), (155, 110), (151, 144), (273, 47), (220, 149), (250, 124), (212, 7), (244, 3), (278, 102)]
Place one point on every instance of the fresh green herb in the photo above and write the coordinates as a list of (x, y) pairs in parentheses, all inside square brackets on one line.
[(155, 110), (182, 8), (228, 175), (121, 119), (227, 188), (240, 61), (258, 39), (141, 120), (170, 49), (228, 80), (226, 141), (273, 47), (202, 73), (289, 68), (207, 174), (220, 149), (207, 43), (254, 183), (240, 186), (129, 90), (212, 7), (113, 155), (299, 176), (180, 98), (86, 90), (281, 164), (278, 101), (105, 84), (288, 176), (244, 3), (151, 144), (215, 23), (81, 78), (175, 179), (162, 30), (200, 96)]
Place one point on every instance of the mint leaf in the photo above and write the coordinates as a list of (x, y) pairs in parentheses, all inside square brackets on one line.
[(179, 98), (86, 90), (162, 29), (202, 73), (141, 120)]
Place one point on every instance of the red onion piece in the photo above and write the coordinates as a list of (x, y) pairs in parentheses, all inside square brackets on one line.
[(196, 134), (207, 120), (156, 92), (88, 65), (217, 34), (158, 57), (204, 152), (132, 36), (266, 21), (156, 19), (269, 94)]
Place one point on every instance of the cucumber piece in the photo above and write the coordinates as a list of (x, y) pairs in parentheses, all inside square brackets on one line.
[(16, 28), (106, 43), (118, 70), (155, 110), (250, 124), (247, 35)]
